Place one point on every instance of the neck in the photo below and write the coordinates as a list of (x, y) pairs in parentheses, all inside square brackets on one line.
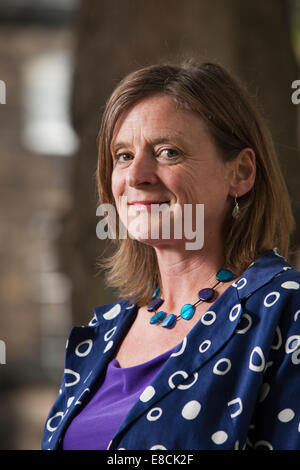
[(183, 274)]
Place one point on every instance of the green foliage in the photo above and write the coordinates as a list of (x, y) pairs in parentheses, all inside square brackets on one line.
[(295, 26)]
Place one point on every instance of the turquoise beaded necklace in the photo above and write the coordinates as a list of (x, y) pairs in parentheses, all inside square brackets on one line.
[(187, 311)]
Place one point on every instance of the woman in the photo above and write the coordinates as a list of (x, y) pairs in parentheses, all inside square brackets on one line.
[(213, 362)]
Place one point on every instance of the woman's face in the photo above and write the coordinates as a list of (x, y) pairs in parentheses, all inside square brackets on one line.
[(164, 154)]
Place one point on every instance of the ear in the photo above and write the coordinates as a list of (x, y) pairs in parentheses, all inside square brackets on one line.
[(244, 172)]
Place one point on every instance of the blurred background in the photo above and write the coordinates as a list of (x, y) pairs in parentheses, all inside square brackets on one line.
[(59, 61)]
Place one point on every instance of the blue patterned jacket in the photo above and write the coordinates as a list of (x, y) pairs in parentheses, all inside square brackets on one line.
[(232, 383)]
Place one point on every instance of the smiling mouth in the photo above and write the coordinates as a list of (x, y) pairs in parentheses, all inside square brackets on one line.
[(146, 205)]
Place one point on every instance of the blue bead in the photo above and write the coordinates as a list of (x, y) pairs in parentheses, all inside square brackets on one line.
[(206, 294), (154, 304), (224, 275), (158, 317), (187, 311), (169, 321)]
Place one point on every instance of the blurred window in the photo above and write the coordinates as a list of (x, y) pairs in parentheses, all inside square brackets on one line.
[(47, 124)]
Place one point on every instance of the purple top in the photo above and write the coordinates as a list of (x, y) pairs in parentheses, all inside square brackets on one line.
[(94, 427)]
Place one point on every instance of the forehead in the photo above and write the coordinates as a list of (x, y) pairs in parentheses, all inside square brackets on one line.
[(154, 116)]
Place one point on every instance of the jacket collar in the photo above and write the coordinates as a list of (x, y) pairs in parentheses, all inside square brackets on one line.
[(207, 337), (260, 272), (203, 341)]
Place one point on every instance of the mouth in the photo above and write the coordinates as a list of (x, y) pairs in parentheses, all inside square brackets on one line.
[(146, 205), (148, 202)]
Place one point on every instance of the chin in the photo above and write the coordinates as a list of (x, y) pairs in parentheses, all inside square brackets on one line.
[(155, 243), (145, 238)]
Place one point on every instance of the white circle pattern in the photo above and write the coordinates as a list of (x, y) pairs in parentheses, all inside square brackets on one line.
[(210, 320), (277, 345), (286, 415), (75, 374), (240, 283), (296, 315), (108, 346), (147, 394), (70, 401), (85, 391), (263, 443), (184, 387), (244, 330), (178, 372), (238, 411), (257, 352), (113, 312), (218, 371), (191, 409), (182, 349), (219, 437), (268, 303), (205, 345), (93, 321), (154, 414), (292, 343), (53, 428), (109, 334), (290, 285), (296, 357), (234, 312), (79, 353)]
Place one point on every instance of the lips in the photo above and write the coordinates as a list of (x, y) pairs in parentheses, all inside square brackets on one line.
[(146, 205), (148, 202)]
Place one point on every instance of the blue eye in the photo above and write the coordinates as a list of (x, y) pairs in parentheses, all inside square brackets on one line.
[(165, 154), (170, 153)]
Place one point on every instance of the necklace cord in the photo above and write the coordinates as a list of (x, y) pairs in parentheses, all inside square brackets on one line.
[(187, 311)]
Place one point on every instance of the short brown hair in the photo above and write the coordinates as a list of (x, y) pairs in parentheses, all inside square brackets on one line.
[(234, 123)]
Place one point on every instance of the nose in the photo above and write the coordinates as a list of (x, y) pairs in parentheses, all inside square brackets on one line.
[(142, 171)]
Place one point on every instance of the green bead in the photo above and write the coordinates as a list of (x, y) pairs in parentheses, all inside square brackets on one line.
[(224, 275)]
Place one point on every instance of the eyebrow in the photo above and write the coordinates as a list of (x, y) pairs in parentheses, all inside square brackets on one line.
[(168, 139)]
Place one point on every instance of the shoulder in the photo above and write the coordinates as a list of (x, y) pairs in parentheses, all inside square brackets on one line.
[(278, 307), (269, 291), (109, 311), (274, 309), (276, 300), (271, 275), (107, 319), (287, 283), (281, 290)]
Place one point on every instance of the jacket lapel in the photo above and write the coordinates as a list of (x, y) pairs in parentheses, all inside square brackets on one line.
[(83, 372), (203, 342), (206, 338)]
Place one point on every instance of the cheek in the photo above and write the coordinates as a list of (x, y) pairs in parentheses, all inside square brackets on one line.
[(116, 185), (201, 185), (185, 185)]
